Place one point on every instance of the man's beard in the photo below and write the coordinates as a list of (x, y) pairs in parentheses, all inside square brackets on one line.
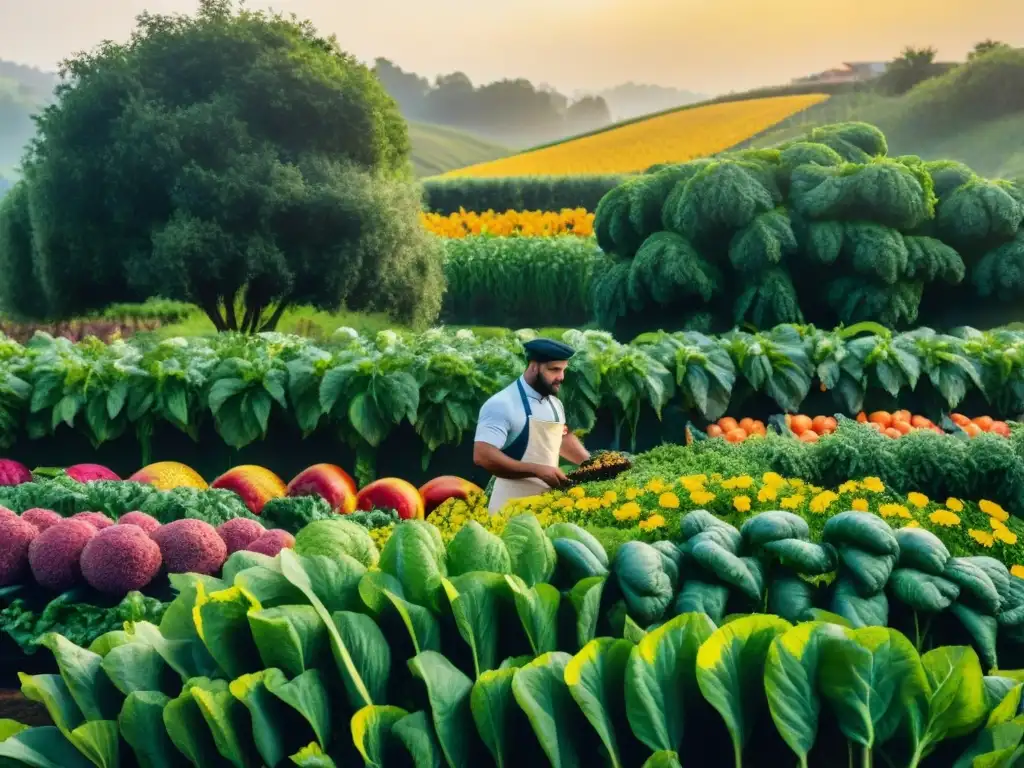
[(544, 389)]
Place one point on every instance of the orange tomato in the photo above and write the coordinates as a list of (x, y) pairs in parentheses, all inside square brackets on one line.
[(800, 424), (881, 417), (902, 427), (736, 435), (985, 422), (758, 428), (862, 418), (921, 422), (746, 424), (972, 429), (892, 432), (959, 419), (715, 431), (808, 436), (1000, 428), (876, 426), (727, 423), (901, 415), (824, 425)]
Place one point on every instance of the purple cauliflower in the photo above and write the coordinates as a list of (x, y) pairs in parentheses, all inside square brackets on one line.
[(41, 518), (191, 546), (119, 559), (53, 554), (272, 542), (97, 520), (16, 536), (140, 520), (239, 532)]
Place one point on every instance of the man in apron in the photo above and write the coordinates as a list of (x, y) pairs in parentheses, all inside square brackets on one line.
[(521, 431)]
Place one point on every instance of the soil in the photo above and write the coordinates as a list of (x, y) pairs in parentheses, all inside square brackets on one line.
[(14, 706)]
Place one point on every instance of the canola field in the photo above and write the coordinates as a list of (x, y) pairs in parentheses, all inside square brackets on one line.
[(568, 221), (673, 137)]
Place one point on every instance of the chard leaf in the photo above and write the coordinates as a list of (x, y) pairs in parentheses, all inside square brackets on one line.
[(541, 692), (596, 679), (372, 728), (449, 693), (142, 726)]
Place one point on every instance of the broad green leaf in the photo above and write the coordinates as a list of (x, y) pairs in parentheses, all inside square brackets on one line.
[(419, 622), (372, 733), (997, 746), (632, 631), (596, 679), (186, 726), (312, 756), (98, 741), (357, 690), (335, 580), (82, 671), (475, 602), (9, 728), (449, 693), (415, 555), (291, 638), (586, 600), (790, 681), (476, 549), (142, 726), (307, 695), (417, 734), (493, 706), (268, 713), (44, 747), (954, 701), (262, 585), (730, 672), (367, 420), (227, 719), (53, 693), (661, 676), (367, 648), (1006, 709), (869, 675), (663, 759), (533, 555), (188, 657), (372, 587), (538, 612), (135, 667), (541, 692), (221, 619)]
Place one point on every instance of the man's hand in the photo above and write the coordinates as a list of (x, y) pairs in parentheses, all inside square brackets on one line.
[(553, 476)]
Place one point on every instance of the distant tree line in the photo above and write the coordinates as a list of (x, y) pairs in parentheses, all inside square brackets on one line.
[(512, 111), (915, 65)]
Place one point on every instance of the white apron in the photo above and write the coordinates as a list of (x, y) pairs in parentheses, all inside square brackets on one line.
[(543, 447)]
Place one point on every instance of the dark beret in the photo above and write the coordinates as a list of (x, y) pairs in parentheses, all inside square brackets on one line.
[(547, 351)]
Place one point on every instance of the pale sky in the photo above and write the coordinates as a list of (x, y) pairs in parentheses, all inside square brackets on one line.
[(709, 46)]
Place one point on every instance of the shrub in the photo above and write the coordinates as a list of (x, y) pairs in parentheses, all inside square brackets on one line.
[(527, 193)]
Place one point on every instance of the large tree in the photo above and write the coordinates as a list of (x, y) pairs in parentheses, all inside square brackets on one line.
[(234, 159)]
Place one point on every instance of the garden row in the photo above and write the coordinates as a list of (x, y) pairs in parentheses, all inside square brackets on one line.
[(825, 230), (430, 386), (490, 651)]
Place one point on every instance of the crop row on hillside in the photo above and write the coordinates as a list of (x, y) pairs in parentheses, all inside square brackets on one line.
[(575, 221), (672, 137)]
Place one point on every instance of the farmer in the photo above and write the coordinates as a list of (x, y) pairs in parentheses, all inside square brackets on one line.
[(521, 431)]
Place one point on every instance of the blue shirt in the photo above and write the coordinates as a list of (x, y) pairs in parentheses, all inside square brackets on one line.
[(502, 418)]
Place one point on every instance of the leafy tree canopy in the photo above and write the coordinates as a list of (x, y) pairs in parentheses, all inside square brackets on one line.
[(234, 159)]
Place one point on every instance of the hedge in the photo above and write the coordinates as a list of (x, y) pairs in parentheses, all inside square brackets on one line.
[(519, 193)]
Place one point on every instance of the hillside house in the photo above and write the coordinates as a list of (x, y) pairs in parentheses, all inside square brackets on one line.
[(848, 72)]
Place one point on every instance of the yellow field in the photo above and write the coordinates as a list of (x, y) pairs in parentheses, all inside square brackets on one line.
[(528, 223), (671, 138)]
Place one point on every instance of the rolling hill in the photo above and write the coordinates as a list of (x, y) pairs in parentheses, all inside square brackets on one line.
[(436, 149)]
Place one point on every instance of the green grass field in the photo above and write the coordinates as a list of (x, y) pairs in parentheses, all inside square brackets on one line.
[(436, 149)]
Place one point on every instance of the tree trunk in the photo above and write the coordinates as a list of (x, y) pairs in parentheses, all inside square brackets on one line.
[(271, 324), (229, 311), (212, 312)]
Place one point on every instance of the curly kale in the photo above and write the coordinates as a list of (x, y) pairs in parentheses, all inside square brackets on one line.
[(81, 623), (295, 513), (375, 518), (214, 506)]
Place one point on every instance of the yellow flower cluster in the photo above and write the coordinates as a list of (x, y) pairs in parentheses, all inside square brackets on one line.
[(673, 137), (568, 221)]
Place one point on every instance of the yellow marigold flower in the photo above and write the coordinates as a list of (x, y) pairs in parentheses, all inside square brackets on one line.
[(894, 510), (693, 482), (767, 493), (945, 518), (912, 524), (632, 493), (849, 486), (741, 503), (628, 511), (792, 502), (796, 482), (668, 500), (859, 505), (982, 537), (716, 477), (564, 503), (954, 504), (610, 497), (652, 522), (657, 485), (1018, 571), (1006, 536), (774, 479), (821, 502), (992, 509), (873, 484), (919, 500), (742, 482), (701, 497), (577, 492)]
